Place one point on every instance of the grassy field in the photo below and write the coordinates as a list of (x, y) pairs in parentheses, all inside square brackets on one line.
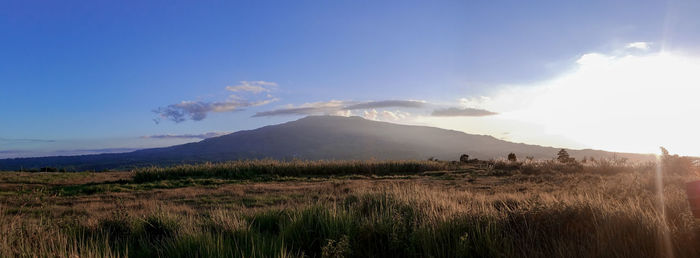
[(352, 209)]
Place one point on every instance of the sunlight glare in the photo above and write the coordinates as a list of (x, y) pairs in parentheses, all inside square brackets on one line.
[(630, 102)]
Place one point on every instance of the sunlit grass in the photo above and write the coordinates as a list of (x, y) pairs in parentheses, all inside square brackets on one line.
[(531, 209), (258, 168)]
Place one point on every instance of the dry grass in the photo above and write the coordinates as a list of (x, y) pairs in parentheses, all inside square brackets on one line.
[(498, 210)]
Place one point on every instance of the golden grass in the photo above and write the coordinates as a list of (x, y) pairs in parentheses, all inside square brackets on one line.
[(473, 211)]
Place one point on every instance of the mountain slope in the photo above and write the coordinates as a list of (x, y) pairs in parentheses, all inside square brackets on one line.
[(315, 137)]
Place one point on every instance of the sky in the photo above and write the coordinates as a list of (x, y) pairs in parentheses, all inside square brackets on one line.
[(80, 77)]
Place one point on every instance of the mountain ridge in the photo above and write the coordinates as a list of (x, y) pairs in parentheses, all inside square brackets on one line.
[(315, 138)]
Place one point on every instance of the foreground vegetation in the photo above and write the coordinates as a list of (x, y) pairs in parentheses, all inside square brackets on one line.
[(261, 168), (323, 209)]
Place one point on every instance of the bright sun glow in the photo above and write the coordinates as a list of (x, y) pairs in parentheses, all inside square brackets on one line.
[(628, 102)]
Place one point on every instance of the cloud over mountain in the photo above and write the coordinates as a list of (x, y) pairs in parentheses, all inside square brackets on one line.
[(385, 115), (198, 110), (333, 107), (340, 107), (387, 104), (462, 112)]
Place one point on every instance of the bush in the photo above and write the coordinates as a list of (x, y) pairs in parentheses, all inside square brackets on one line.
[(512, 158), (464, 158), (563, 156)]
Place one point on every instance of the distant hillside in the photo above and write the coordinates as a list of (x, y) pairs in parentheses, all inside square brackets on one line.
[(316, 137)]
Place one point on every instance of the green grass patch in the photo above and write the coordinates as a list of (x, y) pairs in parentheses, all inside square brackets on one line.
[(270, 169), (41, 178)]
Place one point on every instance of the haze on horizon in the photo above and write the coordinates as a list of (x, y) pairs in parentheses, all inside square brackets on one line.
[(81, 78)]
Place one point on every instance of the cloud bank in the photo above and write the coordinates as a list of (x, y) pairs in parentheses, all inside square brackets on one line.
[(198, 110), (387, 104), (462, 112), (252, 86), (339, 107), (333, 107), (385, 115)]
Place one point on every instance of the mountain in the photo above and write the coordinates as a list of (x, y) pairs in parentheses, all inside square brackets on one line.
[(313, 138)]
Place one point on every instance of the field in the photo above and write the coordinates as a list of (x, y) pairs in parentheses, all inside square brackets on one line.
[(353, 209)]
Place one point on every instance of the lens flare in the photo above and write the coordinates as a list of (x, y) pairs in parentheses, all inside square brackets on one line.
[(665, 237)]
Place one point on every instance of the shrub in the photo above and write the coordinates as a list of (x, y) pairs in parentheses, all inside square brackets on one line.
[(563, 156), (464, 158)]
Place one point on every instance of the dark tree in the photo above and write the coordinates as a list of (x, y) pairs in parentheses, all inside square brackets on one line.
[(464, 158), (48, 169), (511, 157), (563, 156)]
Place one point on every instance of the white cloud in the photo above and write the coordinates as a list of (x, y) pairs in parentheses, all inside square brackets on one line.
[(630, 102), (387, 104), (332, 107), (198, 110), (639, 45), (385, 115), (453, 111), (252, 86), (340, 107)]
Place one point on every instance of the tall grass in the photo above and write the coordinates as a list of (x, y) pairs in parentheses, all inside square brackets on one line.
[(395, 221), (253, 168), (564, 215)]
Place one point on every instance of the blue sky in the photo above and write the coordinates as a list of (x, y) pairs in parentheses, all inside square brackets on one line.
[(78, 76)]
